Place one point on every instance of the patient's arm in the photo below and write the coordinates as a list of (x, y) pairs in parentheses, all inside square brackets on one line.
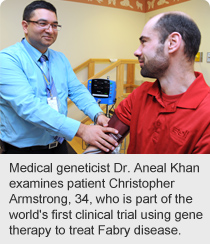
[(93, 150), (122, 128)]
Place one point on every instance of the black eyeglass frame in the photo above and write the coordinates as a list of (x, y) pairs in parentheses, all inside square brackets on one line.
[(58, 27)]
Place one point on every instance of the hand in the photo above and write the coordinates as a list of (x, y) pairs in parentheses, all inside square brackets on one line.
[(95, 135), (102, 120)]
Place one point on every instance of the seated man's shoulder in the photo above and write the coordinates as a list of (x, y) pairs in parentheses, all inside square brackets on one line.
[(205, 104)]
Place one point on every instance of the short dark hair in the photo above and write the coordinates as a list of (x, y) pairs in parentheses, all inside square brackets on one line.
[(28, 11), (186, 27)]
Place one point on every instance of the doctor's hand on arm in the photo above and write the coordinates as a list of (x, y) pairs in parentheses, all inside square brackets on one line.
[(95, 135)]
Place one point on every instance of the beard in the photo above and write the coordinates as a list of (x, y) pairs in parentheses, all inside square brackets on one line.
[(156, 67)]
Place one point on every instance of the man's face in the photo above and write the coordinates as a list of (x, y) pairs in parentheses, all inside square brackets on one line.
[(37, 36), (151, 54)]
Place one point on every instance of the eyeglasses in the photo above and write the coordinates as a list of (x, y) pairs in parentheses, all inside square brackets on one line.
[(44, 25)]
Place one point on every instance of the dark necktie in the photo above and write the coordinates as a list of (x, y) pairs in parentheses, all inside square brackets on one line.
[(43, 60)]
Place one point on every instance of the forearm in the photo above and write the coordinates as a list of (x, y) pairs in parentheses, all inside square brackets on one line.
[(93, 150), (81, 97)]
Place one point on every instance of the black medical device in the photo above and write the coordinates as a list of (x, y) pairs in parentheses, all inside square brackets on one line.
[(103, 90)]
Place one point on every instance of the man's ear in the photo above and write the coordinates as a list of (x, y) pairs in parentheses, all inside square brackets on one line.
[(25, 26), (174, 42)]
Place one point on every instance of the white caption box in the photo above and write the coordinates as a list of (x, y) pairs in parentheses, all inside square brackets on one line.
[(109, 198)]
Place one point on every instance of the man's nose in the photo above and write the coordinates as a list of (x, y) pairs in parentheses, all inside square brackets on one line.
[(49, 28), (138, 52)]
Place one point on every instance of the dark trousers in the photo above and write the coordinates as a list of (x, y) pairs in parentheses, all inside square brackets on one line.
[(63, 148)]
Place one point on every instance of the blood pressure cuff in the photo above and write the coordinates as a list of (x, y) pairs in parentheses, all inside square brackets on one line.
[(122, 128)]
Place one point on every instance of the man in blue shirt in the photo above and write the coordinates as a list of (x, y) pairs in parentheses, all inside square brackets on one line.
[(33, 92)]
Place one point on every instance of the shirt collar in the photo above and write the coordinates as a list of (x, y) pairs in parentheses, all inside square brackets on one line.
[(194, 95), (35, 54)]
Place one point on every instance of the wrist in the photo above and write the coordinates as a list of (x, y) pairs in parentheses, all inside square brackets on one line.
[(96, 117), (80, 131)]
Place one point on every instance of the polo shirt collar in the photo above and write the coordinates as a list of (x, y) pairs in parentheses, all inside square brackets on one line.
[(194, 95)]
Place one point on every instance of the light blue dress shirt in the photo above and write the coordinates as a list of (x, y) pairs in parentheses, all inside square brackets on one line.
[(26, 119)]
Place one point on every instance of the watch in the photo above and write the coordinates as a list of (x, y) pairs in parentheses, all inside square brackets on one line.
[(96, 117)]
